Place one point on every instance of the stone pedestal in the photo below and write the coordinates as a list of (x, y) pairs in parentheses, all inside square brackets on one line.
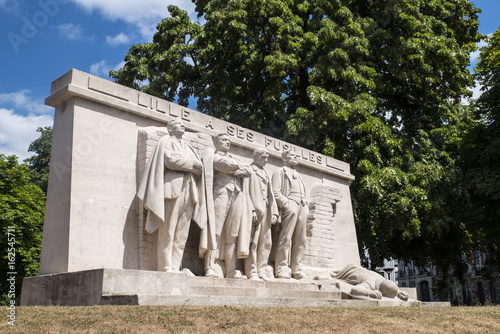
[(141, 287)]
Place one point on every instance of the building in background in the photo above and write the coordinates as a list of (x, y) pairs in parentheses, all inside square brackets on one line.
[(389, 270), (481, 284)]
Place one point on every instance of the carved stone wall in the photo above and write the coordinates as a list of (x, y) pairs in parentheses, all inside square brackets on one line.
[(148, 138), (321, 226)]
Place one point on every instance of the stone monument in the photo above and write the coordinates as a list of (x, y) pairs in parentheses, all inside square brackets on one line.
[(150, 202)]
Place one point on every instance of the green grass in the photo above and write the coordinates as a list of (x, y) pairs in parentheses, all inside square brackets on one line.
[(192, 319)]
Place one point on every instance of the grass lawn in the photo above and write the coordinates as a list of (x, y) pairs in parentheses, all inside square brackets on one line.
[(193, 319)]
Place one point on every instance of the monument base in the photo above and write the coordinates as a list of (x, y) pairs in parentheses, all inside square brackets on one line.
[(140, 287)]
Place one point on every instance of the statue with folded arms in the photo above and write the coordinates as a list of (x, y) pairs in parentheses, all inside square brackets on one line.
[(231, 207)]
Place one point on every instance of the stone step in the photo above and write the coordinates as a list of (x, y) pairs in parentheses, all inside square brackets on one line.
[(233, 301), (264, 292), (136, 287), (277, 284), (169, 300), (128, 282)]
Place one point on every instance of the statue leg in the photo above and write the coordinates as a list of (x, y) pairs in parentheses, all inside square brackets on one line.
[(251, 261), (221, 208), (299, 243), (264, 249), (166, 233), (231, 230), (288, 221), (182, 231), (209, 263), (230, 260)]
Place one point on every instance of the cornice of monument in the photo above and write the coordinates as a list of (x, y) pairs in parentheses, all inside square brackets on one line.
[(76, 83)]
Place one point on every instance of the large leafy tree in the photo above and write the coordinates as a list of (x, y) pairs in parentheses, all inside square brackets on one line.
[(481, 154), (375, 83), (22, 207)]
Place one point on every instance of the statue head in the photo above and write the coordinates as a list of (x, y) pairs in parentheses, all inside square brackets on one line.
[(176, 127), (388, 288), (260, 156), (289, 158), (222, 142)]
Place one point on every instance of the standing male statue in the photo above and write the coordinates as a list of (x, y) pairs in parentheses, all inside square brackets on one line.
[(264, 214), (231, 209), (290, 193), (172, 191)]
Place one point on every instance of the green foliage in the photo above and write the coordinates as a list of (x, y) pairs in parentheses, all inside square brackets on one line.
[(22, 207), (375, 83), (481, 154), (39, 162)]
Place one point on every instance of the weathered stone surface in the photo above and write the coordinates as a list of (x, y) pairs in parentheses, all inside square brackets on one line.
[(104, 134)]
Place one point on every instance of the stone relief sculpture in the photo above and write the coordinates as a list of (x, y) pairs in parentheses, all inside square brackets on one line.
[(235, 212), (290, 193), (367, 283), (264, 214), (232, 209), (173, 192)]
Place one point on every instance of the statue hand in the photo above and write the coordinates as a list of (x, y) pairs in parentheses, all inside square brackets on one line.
[(255, 219), (375, 294), (274, 220), (403, 295), (197, 168)]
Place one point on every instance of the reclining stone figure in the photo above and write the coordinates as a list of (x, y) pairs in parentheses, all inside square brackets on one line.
[(368, 283)]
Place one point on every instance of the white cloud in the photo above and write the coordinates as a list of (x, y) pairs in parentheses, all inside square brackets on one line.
[(121, 38), (102, 68), (475, 55), (17, 132), (147, 28), (144, 14), (476, 91), (22, 100), (10, 6), (70, 31)]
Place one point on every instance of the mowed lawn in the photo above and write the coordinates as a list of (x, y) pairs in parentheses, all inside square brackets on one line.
[(192, 319)]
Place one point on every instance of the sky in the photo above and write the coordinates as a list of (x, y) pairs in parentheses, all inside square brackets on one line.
[(40, 40)]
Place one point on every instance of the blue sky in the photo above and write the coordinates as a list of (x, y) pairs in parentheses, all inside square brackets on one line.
[(42, 39)]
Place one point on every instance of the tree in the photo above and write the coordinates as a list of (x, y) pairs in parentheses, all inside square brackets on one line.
[(374, 83), (22, 207), (481, 155), (40, 161)]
